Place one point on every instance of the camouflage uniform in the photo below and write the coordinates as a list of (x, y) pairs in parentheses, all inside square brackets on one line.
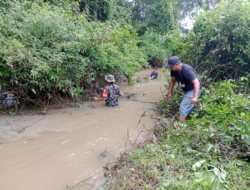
[(111, 92)]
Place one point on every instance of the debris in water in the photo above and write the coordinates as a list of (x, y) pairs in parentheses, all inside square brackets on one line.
[(104, 153), (92, 105)]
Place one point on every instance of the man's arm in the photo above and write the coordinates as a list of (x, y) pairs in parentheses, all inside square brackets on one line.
[(196, 84), (150, 78), (104, 96), (99, 99), (121, 93), (170, 89)]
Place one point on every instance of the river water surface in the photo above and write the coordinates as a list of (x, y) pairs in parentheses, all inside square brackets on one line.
[(67, 146)]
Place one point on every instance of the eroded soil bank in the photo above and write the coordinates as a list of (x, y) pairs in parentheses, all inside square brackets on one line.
[(67, 146)]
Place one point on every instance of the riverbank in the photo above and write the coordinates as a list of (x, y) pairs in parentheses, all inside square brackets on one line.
[(210, 151)]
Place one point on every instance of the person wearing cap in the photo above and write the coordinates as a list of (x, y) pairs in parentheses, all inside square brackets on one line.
[(187, 78), (111, 92)]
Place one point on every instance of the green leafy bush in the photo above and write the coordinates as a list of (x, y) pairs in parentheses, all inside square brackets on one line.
[(218, 42), (159, 16), (227, 112), (152, 44), (210, 151), (47, 50)]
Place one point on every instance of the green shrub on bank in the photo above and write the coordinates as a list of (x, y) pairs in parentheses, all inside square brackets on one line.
[(210, 151), (153, 45), (47, 49), (218, 42), (224, 110)]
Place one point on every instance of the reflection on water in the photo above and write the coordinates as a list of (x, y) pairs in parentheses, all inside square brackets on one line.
[(69, 145)]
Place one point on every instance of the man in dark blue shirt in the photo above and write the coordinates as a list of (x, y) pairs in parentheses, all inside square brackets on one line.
[(188, 80), (154, 74)]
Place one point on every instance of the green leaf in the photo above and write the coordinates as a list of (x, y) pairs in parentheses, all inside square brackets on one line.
[(198, 164)]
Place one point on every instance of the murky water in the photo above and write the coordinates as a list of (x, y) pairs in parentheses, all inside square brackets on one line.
[(67, 146)]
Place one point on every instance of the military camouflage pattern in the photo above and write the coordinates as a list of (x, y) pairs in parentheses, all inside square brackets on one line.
[(112, 93)]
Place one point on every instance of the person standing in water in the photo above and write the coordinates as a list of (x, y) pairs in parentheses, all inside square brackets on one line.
[(154, 74), (111, 92)]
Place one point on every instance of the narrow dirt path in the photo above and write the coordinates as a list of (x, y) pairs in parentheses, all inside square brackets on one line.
[(66, 146)]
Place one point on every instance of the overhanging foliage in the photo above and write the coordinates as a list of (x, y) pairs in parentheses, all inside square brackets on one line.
[(47, 49), (218, 43)]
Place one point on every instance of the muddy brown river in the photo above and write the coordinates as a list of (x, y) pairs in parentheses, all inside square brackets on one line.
[(71, 145)]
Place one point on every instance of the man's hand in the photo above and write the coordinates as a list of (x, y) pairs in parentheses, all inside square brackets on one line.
[(193, 100), (95, 98), (169, 96)]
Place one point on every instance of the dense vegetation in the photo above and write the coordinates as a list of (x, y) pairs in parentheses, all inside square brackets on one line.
[(51, 48), (210, 151), (48, 50), (218, 42), (56, 48)]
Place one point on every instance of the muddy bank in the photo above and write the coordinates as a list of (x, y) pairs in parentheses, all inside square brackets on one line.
[(66, 146)]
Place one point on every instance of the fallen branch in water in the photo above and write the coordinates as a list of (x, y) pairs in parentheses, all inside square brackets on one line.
[(146, 102), (96, 154), (143, 114), (164, 97), (23, 128), (79, 183)]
